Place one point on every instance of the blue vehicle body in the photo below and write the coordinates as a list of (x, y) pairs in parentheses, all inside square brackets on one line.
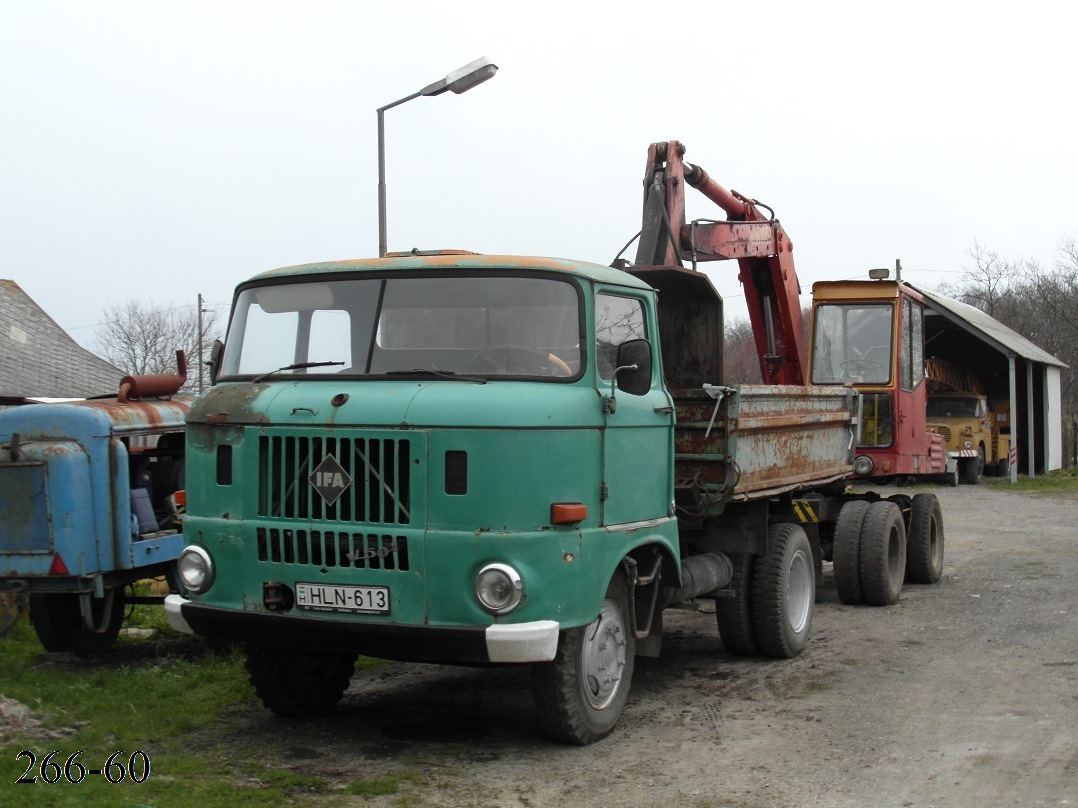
[(83, 490)]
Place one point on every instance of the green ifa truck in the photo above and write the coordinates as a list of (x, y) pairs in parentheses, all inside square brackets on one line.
[(480, 459)]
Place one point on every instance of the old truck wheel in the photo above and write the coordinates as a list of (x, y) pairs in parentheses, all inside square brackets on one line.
[(883, 554), (580, 695), (734, 614), (1003, 467), (924, 544), (59, 625), (784, 592), (847, 552), (296, 682), (973, 471)]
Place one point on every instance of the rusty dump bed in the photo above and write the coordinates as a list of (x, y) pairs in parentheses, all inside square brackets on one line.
[(757, 441)]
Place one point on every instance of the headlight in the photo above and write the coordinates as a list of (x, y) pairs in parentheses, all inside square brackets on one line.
[(195, 568), (863, 465), (498, 588), (967, 444)]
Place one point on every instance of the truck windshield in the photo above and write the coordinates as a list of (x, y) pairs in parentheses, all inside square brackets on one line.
[(852, 343), (479, 326), (953, 408)]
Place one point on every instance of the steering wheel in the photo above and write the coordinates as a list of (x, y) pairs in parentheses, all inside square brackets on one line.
[(522, 358), (860, 365)]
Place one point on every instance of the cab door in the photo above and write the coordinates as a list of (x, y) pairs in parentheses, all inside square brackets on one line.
[(637, 442)]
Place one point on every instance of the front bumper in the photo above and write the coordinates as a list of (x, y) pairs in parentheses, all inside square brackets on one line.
[(504, 642)]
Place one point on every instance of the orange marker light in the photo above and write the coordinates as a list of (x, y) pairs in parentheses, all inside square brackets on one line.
[(568, 513)]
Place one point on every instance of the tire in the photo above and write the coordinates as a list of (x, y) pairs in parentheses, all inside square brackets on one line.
[(973, 470), (924, 544), (577, 698), (784, 592), (883, 554), (1003, 467), (296, 682), (59, 625), (734, 615), (952, 478), (847, 552)]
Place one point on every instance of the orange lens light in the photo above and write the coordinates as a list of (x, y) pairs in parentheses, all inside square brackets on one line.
[(568, 513)]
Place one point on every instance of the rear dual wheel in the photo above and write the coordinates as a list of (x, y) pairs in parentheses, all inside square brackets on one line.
[(924, 545), (870, 553), (734, 614), (784, 592), (774, 597), (883, 554)]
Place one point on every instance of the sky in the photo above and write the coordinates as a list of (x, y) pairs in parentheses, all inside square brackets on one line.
[(155, 151)]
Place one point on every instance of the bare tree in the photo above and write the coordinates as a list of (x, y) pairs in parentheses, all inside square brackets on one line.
[(741, 362), (988, 282), (140, 337), (1040, 303), (741, 359)]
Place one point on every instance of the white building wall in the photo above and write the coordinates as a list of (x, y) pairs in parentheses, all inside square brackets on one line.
[(1053, 418)]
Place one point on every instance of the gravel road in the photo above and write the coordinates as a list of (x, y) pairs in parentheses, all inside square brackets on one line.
[(962, 694)]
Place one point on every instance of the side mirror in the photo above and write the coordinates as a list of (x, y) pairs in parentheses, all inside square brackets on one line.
[(632, 370), (216, 352)]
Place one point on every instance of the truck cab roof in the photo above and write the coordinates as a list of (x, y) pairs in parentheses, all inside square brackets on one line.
[(455, 260)]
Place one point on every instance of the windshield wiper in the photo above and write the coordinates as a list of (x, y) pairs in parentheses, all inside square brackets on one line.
[(297, 366), (445, 374)]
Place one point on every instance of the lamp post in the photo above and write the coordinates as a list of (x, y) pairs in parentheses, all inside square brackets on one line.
[(459, 81)]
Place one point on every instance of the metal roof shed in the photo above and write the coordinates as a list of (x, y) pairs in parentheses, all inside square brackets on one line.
[(968, 337)]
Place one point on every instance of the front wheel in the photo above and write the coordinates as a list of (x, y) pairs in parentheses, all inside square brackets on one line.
[(60, 626), (974, 468), (581, 694), (297, 682), (784, 592)]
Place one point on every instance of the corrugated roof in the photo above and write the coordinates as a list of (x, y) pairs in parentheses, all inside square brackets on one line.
[(1005, 340), (39, 359)]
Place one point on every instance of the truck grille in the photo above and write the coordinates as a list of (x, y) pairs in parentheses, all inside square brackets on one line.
[(329, 549), (945, 431), (378, 480)]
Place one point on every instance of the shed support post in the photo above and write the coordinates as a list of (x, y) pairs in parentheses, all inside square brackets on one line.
[(1012, 450), (1031, 471)]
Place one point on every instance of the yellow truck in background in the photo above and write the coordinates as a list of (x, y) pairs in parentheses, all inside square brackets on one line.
[(977, 432)]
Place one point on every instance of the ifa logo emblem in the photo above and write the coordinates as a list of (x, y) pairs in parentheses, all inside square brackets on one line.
[(329, 479)]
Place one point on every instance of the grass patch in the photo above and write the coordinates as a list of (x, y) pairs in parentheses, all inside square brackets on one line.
[(379, 787), (152, 704), (1064, 481)]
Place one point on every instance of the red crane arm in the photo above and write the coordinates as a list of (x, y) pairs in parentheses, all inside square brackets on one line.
[(758, 243)]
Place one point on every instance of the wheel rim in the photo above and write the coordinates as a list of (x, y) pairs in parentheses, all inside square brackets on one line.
[(603, 657), (799, 592)]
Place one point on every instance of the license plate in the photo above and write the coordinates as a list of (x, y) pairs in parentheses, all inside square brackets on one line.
[(340, 598)]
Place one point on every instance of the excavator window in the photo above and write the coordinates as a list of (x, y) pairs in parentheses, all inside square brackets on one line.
[(852, 343)]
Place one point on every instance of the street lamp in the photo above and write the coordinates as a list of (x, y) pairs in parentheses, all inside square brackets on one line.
[(459, 81)]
